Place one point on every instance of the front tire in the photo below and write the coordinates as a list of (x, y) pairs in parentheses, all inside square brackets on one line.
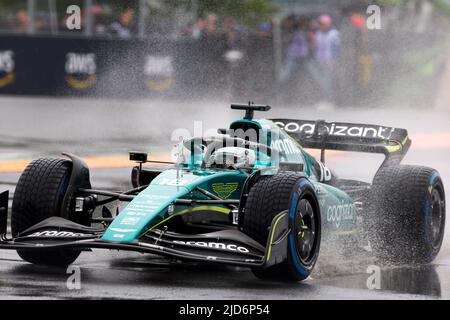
[(268, 197), (38, 196), (407, 214)]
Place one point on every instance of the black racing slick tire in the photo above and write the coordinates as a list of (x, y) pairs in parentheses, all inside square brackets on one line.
[(39, 194), (274, 194), (407, 214)]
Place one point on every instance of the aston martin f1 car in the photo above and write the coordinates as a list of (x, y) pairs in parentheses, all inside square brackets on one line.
[(250, 196)]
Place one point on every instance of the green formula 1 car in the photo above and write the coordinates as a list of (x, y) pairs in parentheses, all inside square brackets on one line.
[(250, 196)]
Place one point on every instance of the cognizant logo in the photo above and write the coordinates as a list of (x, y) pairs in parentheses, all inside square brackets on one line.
[(340, 130), (339, 213)]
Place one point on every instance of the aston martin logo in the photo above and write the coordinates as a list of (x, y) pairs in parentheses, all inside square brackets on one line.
[(225, 190)]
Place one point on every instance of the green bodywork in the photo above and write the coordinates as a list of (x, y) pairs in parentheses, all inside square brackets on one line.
[(153, 206)]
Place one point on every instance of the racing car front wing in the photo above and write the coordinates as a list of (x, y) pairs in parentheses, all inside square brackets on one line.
[(229, 246)]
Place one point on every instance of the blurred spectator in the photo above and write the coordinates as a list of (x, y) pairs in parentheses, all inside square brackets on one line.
[(288, 24), (212, 49), (122, 27), (287, 28), (327, 49), (101, 28), (100, 20), (258, 69), (41, 21), (234, 33), (264, 30), (297, 52), (358, 21), (23, 20), (198, 29), (327, 41), (210, 25)]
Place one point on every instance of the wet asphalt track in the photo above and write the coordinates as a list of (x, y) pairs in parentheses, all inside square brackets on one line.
[(31, 128)]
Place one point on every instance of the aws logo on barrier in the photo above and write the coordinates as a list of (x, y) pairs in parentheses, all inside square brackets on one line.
[(7, 74), (80, 70), (159, 73)]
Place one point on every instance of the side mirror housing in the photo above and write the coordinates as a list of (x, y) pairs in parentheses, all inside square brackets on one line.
[(138, 156)]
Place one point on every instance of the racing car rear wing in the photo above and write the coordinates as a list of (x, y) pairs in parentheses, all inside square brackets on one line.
[(392, 142)]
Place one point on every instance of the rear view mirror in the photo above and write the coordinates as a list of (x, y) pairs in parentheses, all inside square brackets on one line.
[(138, 156)]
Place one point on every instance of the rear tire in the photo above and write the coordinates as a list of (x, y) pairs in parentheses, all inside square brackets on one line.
[(38, 196), (274, 194), (407, 214)]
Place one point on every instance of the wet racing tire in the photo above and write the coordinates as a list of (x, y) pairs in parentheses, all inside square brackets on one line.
[(274, 194), (39, 194), (407, 214)]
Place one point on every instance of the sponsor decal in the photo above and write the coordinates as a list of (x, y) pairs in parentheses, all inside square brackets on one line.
[(158, 72), (130, 221), (138, 214), (284, 145), (214, 245), (7, 66), (325, 172), (123, 230), (340, 130), (338, 214), (173, 182), (225, 190), (80, 70), (54, 233)]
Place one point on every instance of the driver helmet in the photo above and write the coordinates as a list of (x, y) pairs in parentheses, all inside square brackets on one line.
[(233, 157)]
